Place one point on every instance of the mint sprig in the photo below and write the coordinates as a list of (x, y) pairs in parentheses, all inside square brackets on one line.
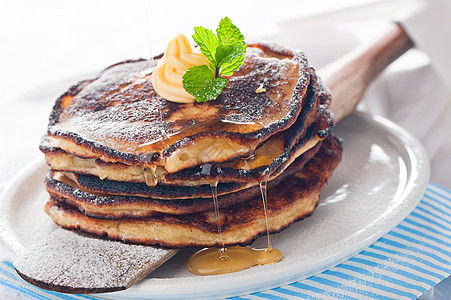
[(225, 54)]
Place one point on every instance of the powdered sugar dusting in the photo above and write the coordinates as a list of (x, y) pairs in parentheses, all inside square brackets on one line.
[(73, 262), (120, 110), (277, 75)]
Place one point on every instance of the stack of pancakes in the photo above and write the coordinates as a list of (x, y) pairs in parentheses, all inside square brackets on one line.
[(130, 165)]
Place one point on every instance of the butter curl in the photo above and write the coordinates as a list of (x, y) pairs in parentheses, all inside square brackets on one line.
[(178, 58)]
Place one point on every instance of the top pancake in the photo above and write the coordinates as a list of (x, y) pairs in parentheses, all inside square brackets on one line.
[(311, 125), (118, 117)]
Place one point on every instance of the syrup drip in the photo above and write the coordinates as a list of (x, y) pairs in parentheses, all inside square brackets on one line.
[(152, 59), (236, 258), (263, 185), (222, 249), (168, 138), (151, 176)]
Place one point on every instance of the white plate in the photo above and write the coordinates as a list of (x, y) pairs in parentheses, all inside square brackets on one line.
[(382, 177)]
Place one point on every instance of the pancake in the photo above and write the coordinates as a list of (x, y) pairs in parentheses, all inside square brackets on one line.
[(292, 199), (132, 166), (118, 117), (272, 154), (217, 173), (121, 205)]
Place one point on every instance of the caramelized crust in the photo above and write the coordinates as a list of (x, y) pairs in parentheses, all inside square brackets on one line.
[(118, 117), (313, 123), (292, 199), (172, 191), (103, 205), (129, 165)]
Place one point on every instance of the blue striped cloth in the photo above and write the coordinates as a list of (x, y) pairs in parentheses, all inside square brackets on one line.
[(403, 264)]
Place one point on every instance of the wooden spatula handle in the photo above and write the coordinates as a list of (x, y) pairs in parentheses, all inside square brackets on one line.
[(349, 76)]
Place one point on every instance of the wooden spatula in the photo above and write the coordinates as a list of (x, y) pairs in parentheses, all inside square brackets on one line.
[(71, 262), (349, 76), (74, 262)]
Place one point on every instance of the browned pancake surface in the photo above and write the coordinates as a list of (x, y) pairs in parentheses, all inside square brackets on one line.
[(224, 175), (294, 198), (114, 114), (99, 203), (274, 154)]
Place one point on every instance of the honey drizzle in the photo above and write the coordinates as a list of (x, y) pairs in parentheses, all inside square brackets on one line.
[(215, 124), (206, 261), (235, 258), (263, 186), (222, 249), (152, 59), (151, 176)]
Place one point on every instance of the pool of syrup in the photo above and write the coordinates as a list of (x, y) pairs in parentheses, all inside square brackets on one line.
[(214, 261)]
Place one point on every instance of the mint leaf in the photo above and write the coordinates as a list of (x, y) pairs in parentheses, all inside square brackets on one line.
[(228, 33), (207, 42), (195, 78), (233, 62), (200, 82), (225, 54), (211, 90)]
